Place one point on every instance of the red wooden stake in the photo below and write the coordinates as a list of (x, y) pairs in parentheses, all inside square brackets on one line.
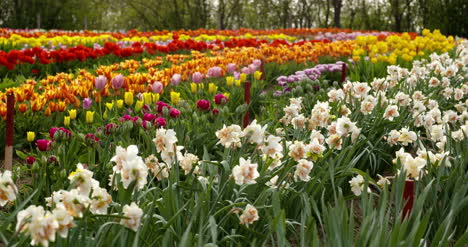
[(343, 72), (9, 130), (408, 196), (247, 102)]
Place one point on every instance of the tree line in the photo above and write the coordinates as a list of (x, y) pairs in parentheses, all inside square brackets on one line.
[(392, 15)]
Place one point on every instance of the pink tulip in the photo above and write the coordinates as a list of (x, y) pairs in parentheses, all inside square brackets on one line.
[(118, 81), (231, 67), (245, 70), (100, 82), (157, 87), (175, 80), (214, 71), (197, 77), (257, 62)]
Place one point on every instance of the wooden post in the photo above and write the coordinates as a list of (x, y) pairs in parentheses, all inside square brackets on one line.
[(9, 130), (247, 86), (343, 72), (408, 196)]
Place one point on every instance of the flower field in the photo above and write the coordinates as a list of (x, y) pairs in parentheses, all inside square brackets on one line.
[(284, 137)]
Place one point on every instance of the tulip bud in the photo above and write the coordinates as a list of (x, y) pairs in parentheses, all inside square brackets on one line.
[(30, 136)]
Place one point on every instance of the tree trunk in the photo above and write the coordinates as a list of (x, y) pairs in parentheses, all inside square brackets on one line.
[(337, 4)]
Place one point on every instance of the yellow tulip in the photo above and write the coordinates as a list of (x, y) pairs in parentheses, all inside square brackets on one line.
[(238, 83), (148, 98), (104, 115), (212, 88), (72, 114), (139, 105), (128, 97), (229, 80), (66, 121), (193, 87), (175, 98), (30, 136), (120, 103), (243, 77), (257, 75), (155, 97), (89, 116), (110, 105), (227, 95)]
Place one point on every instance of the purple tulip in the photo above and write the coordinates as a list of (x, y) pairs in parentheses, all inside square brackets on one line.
[(197, 77), (157, 87), (87, 103), (100, 82), (236, 75), (118, 81)]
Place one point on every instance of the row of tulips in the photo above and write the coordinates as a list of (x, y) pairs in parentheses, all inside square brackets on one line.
[(81, 53), (272, 182), (65, 89)]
